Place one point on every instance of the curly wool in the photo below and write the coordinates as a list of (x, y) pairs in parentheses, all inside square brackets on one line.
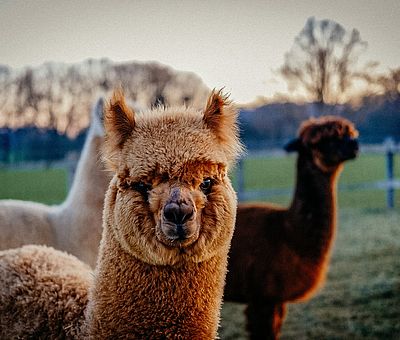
[(44, 293)]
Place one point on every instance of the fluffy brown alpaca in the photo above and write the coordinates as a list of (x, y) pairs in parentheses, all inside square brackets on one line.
[(281, 254), (168, 220), (73, 226)]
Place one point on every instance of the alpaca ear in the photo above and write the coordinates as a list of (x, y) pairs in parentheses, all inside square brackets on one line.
[(97, 117), (119, 120), (293, 145), (98, 110), (218, 113)]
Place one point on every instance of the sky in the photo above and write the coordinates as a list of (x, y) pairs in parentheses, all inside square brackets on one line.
[(238, 45)]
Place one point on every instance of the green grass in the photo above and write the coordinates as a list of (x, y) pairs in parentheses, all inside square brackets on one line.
[(279, 172), (46, 186), (361, 298)]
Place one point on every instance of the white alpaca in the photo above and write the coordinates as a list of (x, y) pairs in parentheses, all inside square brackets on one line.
[(73, 226)]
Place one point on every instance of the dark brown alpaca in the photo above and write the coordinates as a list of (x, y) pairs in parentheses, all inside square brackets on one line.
[(281, 254)]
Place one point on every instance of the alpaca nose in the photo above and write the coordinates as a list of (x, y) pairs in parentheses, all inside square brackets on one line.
[(352, 143), (178, 213)]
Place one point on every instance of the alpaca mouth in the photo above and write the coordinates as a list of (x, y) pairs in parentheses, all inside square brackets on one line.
[(352, 150), (177, 234), (351, 154)]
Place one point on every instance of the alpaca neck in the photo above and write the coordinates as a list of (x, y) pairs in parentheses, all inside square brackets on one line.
[(313, 210), (138, 300), (77, 222), (88, 188)]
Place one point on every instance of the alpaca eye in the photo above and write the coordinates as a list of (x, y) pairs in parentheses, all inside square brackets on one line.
[(141, 187), (206, 185)]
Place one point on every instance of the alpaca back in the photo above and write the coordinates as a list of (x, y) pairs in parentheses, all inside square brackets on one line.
[(23, 222), (43, 294)]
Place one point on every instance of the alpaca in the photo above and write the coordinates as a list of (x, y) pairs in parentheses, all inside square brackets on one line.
[(73, 226), (281, 254), (168, 220), (43, 293)]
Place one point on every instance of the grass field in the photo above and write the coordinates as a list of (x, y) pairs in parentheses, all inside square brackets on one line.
[(279, 172), (361, 298), (47, 186)]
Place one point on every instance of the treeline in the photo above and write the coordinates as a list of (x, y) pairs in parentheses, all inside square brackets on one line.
[(59, 96), (44, 111), (272, 125), (265, 127)]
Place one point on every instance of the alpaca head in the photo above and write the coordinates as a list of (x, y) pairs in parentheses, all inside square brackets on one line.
[(328, 141), (171, 199)]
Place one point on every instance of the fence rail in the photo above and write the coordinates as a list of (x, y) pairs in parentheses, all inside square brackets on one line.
[(390, 184)]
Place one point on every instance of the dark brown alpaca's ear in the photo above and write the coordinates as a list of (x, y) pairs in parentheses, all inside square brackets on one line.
[(119, 120), (293, 145), (218, 114)]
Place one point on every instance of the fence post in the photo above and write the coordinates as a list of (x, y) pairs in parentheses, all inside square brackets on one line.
[(240, 179), (389, 143)]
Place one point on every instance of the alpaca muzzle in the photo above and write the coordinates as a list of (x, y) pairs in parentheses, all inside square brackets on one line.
[(178, 220), (351, 148)]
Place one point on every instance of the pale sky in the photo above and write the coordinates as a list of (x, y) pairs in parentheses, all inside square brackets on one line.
[(236, 44)]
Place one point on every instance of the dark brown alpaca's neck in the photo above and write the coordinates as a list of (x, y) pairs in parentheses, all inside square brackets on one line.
[(313, 210), (133, 299)]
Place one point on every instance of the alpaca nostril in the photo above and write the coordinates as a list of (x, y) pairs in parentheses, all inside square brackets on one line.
[(178, 213), (170, 211)]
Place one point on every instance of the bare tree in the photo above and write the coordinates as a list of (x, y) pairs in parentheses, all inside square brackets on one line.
[(59, 96), (390, 83), (322, 63)]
